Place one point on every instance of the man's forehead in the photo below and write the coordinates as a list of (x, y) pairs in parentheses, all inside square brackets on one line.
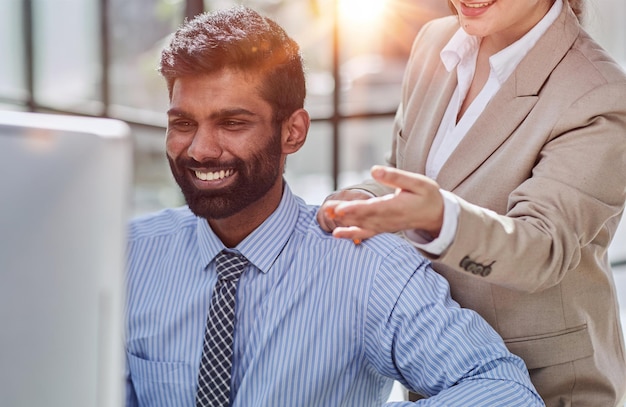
[(218, 113), (222, 91)]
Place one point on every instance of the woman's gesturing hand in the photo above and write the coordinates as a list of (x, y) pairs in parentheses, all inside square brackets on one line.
[(416, 204)]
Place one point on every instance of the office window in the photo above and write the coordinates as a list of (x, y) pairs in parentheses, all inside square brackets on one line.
[(99, 57), (12, 68), (138, 31), (67, 71), (307, 171)]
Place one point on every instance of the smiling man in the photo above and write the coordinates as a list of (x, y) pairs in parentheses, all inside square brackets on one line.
[(240, 299), (225, 149)]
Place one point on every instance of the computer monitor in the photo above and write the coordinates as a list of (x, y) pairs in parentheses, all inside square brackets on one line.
[(65, 186)]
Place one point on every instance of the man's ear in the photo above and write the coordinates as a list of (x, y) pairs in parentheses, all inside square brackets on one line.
[(294, 131)]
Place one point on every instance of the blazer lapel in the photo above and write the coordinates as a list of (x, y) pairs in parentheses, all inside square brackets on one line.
[(500, 118), (430, 117), (512, 103)]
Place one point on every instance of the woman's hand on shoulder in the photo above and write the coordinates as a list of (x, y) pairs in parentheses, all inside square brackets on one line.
[(416, 204), (325, 215)]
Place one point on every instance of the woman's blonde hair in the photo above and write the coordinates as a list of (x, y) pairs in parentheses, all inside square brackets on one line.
[(576, 5)]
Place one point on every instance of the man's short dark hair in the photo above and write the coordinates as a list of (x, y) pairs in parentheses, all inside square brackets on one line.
[(239, 38)]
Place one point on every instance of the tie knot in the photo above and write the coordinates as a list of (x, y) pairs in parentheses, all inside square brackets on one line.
[(229, 265)]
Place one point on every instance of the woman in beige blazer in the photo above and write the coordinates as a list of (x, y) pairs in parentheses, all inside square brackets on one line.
[(527, 185)]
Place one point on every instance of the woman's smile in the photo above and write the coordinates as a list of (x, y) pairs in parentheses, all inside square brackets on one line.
[(475, 9)]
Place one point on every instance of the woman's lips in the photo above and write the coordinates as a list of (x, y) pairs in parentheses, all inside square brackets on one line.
[(475, 9)]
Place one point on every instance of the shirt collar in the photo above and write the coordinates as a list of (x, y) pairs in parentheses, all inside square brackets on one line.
[(264, 244), (463, 46), (460, 47)]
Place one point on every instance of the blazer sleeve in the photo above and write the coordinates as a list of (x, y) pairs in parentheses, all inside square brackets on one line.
[(570, 204)]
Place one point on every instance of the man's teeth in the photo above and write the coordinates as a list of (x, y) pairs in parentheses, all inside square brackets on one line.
[(212, 176), (478, 5)]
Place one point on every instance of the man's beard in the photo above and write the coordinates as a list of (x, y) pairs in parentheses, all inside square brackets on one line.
[(254, 179)]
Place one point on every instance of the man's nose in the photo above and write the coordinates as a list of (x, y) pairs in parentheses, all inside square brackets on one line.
[(205, 145)]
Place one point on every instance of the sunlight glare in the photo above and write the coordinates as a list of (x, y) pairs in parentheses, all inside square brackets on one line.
[(361, 11)]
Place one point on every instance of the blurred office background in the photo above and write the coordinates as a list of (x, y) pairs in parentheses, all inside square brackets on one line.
[(99, 57)]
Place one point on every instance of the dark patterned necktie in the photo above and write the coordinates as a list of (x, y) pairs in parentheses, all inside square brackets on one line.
[(215, 367)]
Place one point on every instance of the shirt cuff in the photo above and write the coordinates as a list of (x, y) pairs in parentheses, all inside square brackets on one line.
[(439, 245)]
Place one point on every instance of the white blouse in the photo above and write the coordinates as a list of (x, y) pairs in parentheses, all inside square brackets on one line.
[(461, 53)]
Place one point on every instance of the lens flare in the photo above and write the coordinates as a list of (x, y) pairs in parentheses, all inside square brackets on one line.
[(361, 11)]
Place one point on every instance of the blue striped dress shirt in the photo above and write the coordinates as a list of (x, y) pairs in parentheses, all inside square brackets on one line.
[(319, 321)]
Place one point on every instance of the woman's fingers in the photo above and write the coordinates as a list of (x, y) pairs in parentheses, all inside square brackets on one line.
[(416, 204), (326, 214), (404, 180)]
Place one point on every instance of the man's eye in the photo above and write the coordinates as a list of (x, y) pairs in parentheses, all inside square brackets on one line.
[(233, 125), (181, 124)]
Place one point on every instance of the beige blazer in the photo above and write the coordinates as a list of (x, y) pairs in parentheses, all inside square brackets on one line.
[(541, 182)]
